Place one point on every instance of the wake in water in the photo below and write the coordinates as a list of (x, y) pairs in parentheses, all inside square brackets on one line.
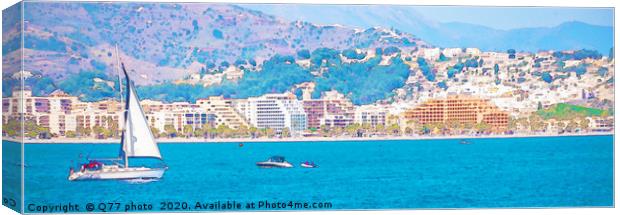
[(140, 181)]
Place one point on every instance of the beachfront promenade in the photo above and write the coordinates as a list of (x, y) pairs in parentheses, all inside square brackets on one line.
[(303, 139)]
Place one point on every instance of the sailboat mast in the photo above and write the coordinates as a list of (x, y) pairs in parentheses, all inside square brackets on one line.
[(124, 113), (118, 71)]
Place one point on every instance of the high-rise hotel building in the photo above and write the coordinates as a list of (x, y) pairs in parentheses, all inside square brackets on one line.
[(275, 111), (462, 109)]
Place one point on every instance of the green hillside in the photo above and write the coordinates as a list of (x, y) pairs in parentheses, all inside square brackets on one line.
[(567, 111)]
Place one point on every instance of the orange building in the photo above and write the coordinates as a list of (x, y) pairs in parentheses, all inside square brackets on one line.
[(462, 109)]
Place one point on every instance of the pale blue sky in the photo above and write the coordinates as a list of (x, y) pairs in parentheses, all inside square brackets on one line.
[(495, 17), (518, 17)]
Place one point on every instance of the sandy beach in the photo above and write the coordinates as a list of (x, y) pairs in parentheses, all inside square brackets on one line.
[(297, 139)]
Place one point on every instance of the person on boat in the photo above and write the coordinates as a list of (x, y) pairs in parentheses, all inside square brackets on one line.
[(92, 165)]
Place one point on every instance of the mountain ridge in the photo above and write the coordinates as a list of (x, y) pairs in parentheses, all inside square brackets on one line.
[(171, 41), (459, 34)]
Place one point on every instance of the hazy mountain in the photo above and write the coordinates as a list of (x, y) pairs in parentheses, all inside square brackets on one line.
[(566, 36)]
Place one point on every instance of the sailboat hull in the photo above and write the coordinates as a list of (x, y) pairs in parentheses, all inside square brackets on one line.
[(118, 173)]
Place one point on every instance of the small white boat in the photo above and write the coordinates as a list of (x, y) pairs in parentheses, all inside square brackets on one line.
[(308, 165), (464, 142), (137, 141), (274, 162)]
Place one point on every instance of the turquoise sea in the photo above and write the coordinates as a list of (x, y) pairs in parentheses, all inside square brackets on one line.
[(395, 174)]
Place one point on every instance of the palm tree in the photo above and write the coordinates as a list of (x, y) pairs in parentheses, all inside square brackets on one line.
[(351, 129), (408, 131), (242, 131), (425, 129), (584, 124), (560, 125), (286, 132), (572, 126), (324, 130), (453, 126), (188, 130), (211, 131), (70, 134), (394, 129), (270, 132), (170, 130), (113, 126), (155, 132), (512, 124), (393, 119), (253, 131), (366, 129), (199, 131), (223, 130), (536, 122), (483, 127), (380, 128)]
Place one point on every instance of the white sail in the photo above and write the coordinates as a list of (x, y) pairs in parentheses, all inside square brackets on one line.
[(138, 141)]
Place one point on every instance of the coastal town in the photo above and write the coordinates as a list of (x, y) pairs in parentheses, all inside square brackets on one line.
[(472, 93)]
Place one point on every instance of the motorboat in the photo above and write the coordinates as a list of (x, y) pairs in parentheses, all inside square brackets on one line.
[(274, 162), (308, 165)]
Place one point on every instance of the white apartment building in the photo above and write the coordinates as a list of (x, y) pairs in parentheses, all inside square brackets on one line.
[(452, 52), (431, 53), (370, 114), (179, 118), (473, 51), (225, 111), (275, 111)]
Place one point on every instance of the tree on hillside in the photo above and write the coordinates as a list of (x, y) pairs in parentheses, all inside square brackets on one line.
[(540, 106), (511, 54)]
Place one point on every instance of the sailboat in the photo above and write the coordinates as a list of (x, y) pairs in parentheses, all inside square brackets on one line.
[(137, 141)]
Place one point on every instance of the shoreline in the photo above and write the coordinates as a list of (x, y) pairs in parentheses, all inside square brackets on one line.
[(293, 139)]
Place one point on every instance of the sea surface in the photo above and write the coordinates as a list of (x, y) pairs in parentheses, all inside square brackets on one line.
[(395, 174)]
